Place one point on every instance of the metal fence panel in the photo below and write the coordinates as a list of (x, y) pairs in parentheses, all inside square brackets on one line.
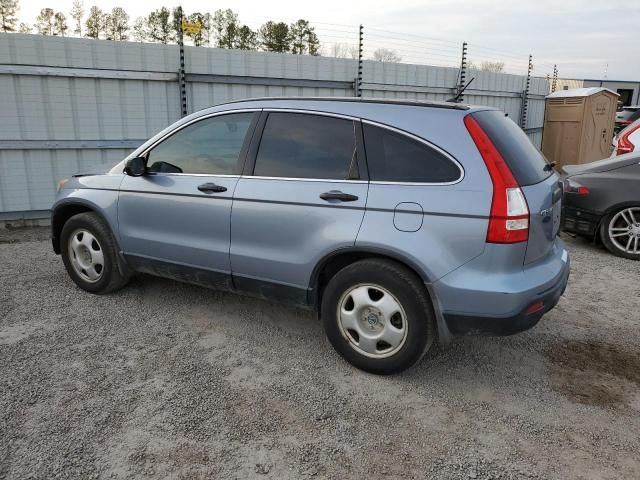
[(74, 105)]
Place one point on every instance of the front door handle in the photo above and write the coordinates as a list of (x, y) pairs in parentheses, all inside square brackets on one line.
[(211, 188), (337, 195)]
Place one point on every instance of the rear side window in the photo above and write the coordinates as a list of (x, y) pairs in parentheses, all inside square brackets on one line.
[(524, 159), (393, 157), (298, 145)]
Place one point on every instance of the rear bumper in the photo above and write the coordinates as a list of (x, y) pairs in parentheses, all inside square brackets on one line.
[(461, 324), (489, 296), (580, 221)]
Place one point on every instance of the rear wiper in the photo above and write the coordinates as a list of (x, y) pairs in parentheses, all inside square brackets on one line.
[(549, 166)]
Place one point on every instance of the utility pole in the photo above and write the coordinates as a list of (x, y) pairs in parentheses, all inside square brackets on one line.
[(525, 95), (463, 73), (181, 73), (358, 83)]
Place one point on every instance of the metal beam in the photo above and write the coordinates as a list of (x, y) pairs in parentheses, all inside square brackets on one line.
[(86, 73), (268, 81), (68, 144)]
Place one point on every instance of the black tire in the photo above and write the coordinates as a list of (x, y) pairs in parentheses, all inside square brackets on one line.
[(406, 288), (609, 243), (111, 277)]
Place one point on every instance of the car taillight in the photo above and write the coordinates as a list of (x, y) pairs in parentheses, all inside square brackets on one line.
[(509, 216), (624, 144), (571, 186)]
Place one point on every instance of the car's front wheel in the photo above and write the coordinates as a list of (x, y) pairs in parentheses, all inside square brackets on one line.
[(89, 253), (620, 232), (378, 316)]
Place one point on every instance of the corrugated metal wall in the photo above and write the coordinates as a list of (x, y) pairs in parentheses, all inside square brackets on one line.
[(72, 105)]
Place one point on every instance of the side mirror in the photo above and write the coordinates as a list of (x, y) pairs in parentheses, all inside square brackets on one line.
[(136, 167)]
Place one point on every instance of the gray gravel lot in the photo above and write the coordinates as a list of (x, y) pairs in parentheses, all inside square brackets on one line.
[(167, 380)]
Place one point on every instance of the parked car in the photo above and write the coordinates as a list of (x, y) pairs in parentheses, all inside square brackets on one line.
[(602, 201), (627, 140), (399, 222), (626, 116)]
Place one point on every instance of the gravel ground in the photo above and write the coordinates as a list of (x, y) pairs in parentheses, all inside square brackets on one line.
[(167, 380)]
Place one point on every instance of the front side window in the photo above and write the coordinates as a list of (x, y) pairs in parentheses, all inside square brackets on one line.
[(297, 145), (211, 146), (393, 157)]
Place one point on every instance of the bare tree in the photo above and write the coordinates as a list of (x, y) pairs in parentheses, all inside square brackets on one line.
[(494, 67), (8, 17), (343, 50), (25, 28), (386, 55), (77, 12)]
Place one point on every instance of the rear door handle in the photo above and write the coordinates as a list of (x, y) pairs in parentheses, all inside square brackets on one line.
[(211, 188), (337, 195)]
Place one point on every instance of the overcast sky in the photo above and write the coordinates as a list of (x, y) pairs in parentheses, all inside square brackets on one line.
[(586, 38)]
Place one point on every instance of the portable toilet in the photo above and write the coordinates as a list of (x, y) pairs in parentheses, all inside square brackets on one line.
[(578, 125)]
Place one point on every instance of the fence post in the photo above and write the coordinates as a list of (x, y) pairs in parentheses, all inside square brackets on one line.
[(463, 72), (525, 95), (181, 73), (554, 84), (358, 83)]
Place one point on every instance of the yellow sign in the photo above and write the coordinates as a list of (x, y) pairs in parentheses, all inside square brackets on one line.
[(191, 27)]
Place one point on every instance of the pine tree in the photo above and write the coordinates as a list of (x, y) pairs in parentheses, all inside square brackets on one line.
[(116, 24), (247, 39), (158, 26), (45, 21), (77, 12), (60, 26), (225, 26), (274, 37), (198, 38), (303, 38), (8, 18), (94, 23), (140, 30)]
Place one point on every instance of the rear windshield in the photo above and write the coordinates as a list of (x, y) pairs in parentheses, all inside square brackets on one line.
[(524, 159)]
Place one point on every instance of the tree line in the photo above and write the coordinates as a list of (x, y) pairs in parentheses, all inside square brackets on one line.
[(221, 29)]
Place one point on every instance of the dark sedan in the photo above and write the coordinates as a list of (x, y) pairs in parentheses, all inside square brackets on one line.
[(602, 201)]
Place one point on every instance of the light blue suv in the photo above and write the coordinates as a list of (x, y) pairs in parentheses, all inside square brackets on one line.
[(399, 222)]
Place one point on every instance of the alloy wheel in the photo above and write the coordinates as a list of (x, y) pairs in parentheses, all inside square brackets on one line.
[(624, 230)]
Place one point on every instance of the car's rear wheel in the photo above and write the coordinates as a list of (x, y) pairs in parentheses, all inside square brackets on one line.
[(90, 254), (620, 232), (378, 316)]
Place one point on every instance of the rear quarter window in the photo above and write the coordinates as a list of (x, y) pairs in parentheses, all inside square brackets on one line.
[(394, 157), (524, 159)]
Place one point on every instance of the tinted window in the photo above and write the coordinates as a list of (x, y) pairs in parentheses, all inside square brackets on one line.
[(394, 157), (524, 159), (210, 146), (305, 146)]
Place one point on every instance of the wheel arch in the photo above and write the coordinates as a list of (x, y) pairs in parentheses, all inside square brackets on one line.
[(333, 262), (63, 211)]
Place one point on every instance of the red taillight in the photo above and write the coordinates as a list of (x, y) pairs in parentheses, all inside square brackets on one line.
[(509, 217), (624, 144)]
